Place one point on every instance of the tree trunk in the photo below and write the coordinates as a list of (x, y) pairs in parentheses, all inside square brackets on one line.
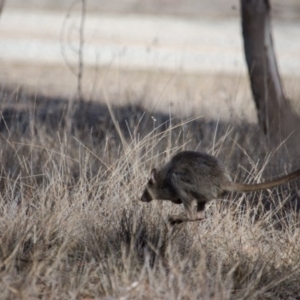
[(275, 114), (1, 5)]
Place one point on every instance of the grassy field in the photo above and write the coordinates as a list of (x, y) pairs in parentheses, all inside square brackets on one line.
[(72, 225)]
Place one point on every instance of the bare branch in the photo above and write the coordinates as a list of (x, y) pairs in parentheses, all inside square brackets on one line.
[(80, 53)]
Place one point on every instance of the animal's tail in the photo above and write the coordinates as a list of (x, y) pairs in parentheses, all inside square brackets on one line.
[(239, 187)]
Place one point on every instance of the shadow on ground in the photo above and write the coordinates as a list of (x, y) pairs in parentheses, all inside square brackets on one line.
[(23, 113)]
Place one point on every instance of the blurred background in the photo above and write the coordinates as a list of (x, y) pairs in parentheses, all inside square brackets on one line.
[(157, 53)]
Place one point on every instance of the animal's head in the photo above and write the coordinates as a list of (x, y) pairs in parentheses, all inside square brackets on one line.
[(149, 191), (158, 187)]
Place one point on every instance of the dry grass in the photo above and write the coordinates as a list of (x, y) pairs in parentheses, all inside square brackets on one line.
[(72, 226)]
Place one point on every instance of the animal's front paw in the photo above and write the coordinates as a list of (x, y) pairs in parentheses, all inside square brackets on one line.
[(176, 219)]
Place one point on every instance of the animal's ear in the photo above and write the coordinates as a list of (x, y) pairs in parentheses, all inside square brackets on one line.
[(153, 175)]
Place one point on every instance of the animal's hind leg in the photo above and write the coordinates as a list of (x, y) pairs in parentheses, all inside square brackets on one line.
[(189, 209), (200, 210), (183, 217), (177, 219)]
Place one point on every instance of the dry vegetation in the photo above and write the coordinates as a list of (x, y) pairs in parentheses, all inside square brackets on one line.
[(72, 226), (71, 223)]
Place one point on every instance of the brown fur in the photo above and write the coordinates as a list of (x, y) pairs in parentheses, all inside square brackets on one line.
[(193, 176)]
